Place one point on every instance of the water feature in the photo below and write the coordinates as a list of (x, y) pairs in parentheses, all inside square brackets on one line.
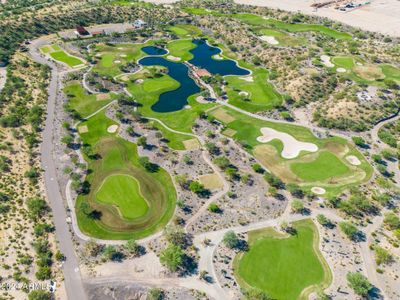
[(153, 50), (177, 99), (202, 58)]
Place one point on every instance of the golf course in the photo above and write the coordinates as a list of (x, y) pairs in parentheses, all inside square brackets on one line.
[(293, 268)]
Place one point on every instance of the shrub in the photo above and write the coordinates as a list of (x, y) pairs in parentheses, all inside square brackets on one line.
[(230, 239), (359, 283)]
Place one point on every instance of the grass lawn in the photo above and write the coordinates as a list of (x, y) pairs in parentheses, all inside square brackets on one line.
[(391, 72), (111, 155), (326, 164), (283, 266), (282, 37), (82, 102), (112, 57), (185, 30), (255, 96), (124, 192), (64, 57), (344, 62), (246, 129), (181, 48)]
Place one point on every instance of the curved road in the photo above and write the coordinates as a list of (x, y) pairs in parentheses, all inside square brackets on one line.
[(72, 276)]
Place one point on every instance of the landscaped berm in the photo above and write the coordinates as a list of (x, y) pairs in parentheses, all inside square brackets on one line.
[(283, 266), (124, 200)]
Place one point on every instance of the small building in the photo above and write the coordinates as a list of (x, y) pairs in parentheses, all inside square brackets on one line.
[(203, 73), (80, 30), (139, 24), (95, 33)]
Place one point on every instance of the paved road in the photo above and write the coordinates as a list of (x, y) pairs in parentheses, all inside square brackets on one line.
[(73, 281)]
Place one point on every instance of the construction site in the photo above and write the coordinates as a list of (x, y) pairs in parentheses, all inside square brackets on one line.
[(341, 5)]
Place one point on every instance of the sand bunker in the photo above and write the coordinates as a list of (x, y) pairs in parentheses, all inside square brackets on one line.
[(122, 55), (291, 146), (353, 160), (243, 93), (83, 129), (120, 48), (247, 78), (112, 129), (318, 190), (326, 61), (218, 57), (269, 39), (117, 61), (174, 58), (201, 99), (341, 70)]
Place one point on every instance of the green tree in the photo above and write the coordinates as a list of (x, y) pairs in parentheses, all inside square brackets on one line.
[(172, 257), (297, 206), (359, 283), (132, 247), (40, 295), (392, 221), (155, 294), (349, 230), (230, 239), (255, 294), (37, 207)]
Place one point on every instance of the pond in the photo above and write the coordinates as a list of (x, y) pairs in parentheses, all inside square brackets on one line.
[(177, 99), (153, 50), (202, 58)]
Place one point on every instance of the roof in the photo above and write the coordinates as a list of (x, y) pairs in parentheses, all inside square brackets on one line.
[(202, 72), (82, 31)]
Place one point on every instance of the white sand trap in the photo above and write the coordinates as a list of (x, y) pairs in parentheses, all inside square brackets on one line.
[(122, 55), (265, 18), (318, 190), (291, 146), (83, 129), (218, 57), (174, 58), (269, 39), (187, 107), (98, 55), (326, 61), (247, 78), (117, 61), (139, 81), (359, 64), (120, 48), (201, 99), (341, 70), (243, 93), (112, 129), (353, 160)]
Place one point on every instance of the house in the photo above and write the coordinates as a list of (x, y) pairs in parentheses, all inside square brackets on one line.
[(203, 72), (139, 24), (95, 33), (80, 30)]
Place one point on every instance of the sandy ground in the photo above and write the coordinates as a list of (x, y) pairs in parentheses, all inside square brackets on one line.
[(291, 146), (326, 60), (3, 77), (112, 129), (341, 70), (353, 160), (380, 16), (318, 190), (269, 39), (173, 58)]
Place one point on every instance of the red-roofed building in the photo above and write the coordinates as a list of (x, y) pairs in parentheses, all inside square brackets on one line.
[(82, 31), (202, 72)]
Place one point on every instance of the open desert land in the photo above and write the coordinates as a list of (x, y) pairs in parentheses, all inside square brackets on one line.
[(199, 150)]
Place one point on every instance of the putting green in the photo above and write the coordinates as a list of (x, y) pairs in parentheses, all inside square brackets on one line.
[(283, 266), (324, 167), (181, 48), (185, 30), (123, 191)]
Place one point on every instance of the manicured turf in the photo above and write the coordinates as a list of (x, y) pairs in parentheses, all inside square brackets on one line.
[(344, 62), (282, 37), (391, 72), (185, 30), (82, 102), (181, 48), (325, 166), (246, 130), (261, 95), (256, 20), (116, 156), (64, 57), (124, 192), (283, 266), (112, 57)]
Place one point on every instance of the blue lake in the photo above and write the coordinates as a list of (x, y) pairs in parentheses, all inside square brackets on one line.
[(152, 50), (202, 58), (177, 99), (173, 100)]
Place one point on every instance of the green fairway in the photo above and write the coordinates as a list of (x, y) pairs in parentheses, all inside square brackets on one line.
[(185, 30), (109, 155), (181, 48), (81, 102), (283, 38), (391, 72), (111, 58), (254, 96), (325, 166), (284, 267), (307, 169), (64, 57), (124, 192), (344, 62)]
